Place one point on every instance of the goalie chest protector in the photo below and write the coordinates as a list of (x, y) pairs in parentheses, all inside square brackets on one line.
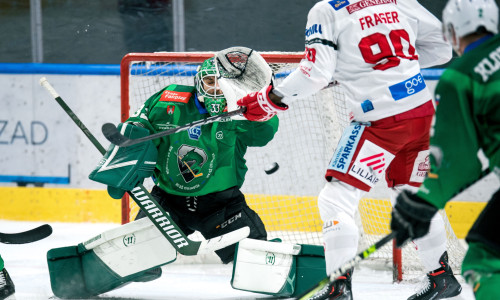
[(275, 268)]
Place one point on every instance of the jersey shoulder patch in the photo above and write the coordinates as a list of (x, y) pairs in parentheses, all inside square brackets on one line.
[(367, 3), (338, 4)]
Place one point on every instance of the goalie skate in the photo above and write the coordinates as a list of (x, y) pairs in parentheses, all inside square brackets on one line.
[(7, 288), (440, 283)]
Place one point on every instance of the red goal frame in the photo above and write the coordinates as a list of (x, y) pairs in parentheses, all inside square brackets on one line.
[(195, 57)]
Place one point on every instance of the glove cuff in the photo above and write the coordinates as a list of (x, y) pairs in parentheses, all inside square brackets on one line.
[(267, 104)]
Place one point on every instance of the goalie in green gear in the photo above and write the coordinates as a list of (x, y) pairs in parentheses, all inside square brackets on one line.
[(208, 90), (198, 176), (122, 169), (200, 171)]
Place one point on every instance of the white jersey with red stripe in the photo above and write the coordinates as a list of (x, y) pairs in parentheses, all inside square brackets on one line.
[(374, 49)]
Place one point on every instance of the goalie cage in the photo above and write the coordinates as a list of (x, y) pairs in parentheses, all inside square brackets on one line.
[(303, 146)]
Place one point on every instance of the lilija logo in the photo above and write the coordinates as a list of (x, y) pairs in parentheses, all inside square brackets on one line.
[(371, 163)]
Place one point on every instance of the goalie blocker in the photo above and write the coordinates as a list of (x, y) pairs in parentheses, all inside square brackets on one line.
[(122, 169), (277, 269)]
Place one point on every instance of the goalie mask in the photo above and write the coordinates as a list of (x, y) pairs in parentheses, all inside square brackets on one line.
[(461, 18), (208, 89)]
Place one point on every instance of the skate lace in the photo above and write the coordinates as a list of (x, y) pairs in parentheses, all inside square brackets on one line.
[(424, 286), (321, 294), (3, 281)]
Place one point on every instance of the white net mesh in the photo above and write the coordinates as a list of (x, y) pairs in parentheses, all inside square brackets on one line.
[(302, 147)]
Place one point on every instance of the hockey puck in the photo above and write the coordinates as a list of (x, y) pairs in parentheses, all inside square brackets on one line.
[(272, 168)]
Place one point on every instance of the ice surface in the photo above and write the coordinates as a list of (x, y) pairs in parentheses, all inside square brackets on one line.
[(28, 268)]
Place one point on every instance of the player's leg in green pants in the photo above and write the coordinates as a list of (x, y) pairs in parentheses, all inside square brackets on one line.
[(481, 269)]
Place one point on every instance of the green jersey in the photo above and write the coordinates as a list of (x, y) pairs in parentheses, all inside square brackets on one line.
[(203, 159), (467, 120)]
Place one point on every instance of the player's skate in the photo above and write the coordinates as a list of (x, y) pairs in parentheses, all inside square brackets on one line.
[(441, 283), (340, 289), (6, 286)]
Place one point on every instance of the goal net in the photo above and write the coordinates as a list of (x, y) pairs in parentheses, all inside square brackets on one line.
[(302, 147)]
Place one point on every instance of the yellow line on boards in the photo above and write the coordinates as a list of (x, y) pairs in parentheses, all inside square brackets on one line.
[(279, 212)]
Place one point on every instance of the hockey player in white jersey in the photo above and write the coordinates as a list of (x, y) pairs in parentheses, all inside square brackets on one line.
[(375, 50)]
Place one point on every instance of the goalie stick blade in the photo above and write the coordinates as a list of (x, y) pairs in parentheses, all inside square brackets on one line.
[(113, 135), (25, 237), (224, 240)]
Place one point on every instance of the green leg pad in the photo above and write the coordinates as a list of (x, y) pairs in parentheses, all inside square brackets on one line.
[(66, 273), (81, 275), (311, 268)]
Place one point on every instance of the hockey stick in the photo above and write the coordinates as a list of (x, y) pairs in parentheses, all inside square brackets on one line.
[(155, 212), (114, 136), (370, 250), (28, 236)]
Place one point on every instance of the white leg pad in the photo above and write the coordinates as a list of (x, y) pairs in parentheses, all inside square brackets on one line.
[(263, 266), (133, 247), (278, 269)]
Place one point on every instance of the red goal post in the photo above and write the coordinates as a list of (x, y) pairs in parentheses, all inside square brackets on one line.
[(308, 133)]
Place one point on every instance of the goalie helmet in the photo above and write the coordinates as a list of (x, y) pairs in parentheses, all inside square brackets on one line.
[(463, 17), (207, 88)]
